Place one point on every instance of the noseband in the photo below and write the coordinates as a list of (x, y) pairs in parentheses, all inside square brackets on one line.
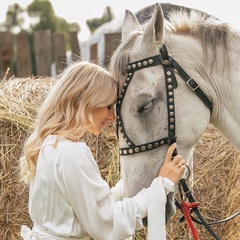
[(169, 65)]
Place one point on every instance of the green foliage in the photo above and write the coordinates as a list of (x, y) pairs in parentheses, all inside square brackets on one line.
[(95, 23), (14, 18), (42, 17), (64, 27), (43, 12)]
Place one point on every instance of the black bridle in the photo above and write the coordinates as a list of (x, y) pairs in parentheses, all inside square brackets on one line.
[(169, 65)]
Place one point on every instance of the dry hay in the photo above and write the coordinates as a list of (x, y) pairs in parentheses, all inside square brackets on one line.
[(216, 188), (216, 179), (19, 101)]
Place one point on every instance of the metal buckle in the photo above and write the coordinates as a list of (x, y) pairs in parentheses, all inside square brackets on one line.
[(194, 89)]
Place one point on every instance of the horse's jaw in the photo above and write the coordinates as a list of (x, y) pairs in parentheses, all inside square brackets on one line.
[(139, 170), (170, 206), (133, 184)]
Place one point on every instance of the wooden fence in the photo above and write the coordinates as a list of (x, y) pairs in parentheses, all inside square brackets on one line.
[(49, 48)]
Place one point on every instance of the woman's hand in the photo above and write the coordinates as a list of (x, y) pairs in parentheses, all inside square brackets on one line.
[(173, 169)]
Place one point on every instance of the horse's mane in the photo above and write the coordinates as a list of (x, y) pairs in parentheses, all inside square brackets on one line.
[(208, 29)]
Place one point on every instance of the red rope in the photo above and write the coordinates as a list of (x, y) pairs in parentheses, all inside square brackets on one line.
[(186, 212)]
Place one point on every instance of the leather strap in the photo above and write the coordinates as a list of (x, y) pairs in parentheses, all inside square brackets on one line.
[(192, 84)]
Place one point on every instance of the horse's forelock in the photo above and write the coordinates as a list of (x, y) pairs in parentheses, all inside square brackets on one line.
[(121, 58)]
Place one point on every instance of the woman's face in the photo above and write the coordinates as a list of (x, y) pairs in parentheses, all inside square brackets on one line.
[(101, 117)]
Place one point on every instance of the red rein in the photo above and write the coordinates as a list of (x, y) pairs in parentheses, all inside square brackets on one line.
[(186, 212)]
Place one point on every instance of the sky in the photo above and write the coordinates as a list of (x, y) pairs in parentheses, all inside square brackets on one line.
[(81, 10)]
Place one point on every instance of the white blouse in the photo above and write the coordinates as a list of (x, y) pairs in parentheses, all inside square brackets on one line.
[(68, 199)]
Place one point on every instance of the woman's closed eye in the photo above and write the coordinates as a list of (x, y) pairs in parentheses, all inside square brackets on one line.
[(111, 106)]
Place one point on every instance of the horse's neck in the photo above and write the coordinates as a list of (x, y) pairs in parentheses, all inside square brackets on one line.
[(227, 115), (229, 126), (221, 83)]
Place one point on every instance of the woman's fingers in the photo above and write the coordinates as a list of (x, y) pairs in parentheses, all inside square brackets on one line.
[(182, 169), (170, 152), (181, 162), (173, 168)]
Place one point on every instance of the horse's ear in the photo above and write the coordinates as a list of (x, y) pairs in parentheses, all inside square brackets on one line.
[(155, 28), (130, 24)]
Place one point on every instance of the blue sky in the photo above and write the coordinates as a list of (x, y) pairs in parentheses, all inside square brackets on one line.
[(80, 10)]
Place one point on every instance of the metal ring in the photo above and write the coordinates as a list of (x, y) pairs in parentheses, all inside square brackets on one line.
[(189, 172)]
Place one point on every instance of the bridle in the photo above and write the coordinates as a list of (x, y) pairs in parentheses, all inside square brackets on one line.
[(170, 66)]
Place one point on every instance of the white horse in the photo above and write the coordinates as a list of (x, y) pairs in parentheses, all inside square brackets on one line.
[(149, 116)]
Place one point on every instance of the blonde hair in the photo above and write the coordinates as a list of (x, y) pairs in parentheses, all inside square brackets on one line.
[(80, 89)]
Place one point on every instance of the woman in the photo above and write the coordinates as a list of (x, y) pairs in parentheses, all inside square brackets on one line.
[(68, 199)]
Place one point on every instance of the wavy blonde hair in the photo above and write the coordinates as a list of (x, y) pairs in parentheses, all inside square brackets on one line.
[(67, 111)]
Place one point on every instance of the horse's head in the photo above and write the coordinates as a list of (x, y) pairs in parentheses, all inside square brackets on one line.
[(145, 120)]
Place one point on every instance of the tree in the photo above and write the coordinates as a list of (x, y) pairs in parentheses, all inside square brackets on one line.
[(64, 27), (94, 23), (14, 18), (44, 14)]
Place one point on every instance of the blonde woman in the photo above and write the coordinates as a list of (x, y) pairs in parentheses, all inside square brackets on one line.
[(68, 199)]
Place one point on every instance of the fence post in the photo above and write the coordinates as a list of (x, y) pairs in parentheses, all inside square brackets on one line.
[(76, 51), (94, 53), (24, 62), (6, 54), (112, 40), (59, 45), (43, 52)]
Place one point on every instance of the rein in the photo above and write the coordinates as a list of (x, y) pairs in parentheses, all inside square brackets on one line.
[(169, 65)]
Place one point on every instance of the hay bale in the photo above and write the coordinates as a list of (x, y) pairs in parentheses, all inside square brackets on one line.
[(216, 187), (216, 168), (19, 101)]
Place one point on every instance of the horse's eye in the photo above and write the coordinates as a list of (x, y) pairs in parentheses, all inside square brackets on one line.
[(146, 108)]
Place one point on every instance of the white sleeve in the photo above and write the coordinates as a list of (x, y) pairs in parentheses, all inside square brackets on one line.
[(92, 200), (118, 191), (169, 185)]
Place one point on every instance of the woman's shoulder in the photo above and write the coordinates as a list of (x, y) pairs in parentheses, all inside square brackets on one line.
[(69, 154), (66, 147), (73, 147)]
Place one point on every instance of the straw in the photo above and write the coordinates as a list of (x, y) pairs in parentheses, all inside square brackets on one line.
[(216, 166)]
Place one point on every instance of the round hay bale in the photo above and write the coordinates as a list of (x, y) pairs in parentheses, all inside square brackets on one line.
[(19, 101), (216, 166)]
